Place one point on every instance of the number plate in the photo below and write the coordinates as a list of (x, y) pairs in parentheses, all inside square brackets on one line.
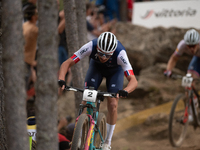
[(187, 81), (90, 95)]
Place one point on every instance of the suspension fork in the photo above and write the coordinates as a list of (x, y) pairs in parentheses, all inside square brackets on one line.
[(188, 105)]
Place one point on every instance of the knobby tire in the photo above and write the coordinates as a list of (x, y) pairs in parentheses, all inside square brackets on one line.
[(177, 130), (80, 133), (101, 124)]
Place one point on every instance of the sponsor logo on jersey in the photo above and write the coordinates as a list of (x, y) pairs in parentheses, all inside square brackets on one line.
[(83, 51), (123, 60), (113, 85)]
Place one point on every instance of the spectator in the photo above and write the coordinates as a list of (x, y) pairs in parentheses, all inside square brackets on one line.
[(30, 33), (65, 136), (62, 48), (95, 22), (31, 121), (64, 143), (65, 133), (130, 9), (111, 9), (62, 123), (69, 131), (28, 3)]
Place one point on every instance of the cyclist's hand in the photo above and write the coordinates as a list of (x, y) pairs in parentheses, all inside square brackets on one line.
[(168, 73), (123, 93), (62, 83)]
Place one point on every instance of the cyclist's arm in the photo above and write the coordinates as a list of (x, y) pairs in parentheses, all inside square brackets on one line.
[(64, 68), (175, 56), (128, 71), (172, 62), (85, 50), (132, 84)]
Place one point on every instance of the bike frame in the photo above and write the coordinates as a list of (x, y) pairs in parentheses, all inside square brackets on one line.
[(191, 91), (93, 99), (89, 145)]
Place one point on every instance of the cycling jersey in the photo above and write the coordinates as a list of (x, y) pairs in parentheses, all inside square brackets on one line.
[(113, 69), (182, 48), (194, 65), (119, 57)]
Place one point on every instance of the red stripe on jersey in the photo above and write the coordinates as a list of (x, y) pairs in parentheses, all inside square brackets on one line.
[(128, 72), (75, 58)]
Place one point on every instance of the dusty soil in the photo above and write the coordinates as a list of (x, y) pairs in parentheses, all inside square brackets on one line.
[(152, 134)]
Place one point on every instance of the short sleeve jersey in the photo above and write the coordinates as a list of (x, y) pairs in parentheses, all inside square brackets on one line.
[(119, 57), (182, 48)]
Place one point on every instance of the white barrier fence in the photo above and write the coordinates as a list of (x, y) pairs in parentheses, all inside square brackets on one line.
[(182, 14)]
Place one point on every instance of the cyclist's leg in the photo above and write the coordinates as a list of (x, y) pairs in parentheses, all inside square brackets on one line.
[(114, 83), (194, 69), (93, 77)]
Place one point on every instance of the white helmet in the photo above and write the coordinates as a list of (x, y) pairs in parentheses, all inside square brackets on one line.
[(107, 43), (191, 37)]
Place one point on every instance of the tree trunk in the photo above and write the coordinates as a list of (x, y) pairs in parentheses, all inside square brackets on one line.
[(123, 10), (73, 45), (3, 145), (46, 84), (82, 32), (13, 70)]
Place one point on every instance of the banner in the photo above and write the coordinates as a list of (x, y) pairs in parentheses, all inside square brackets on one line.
[(182, 14)]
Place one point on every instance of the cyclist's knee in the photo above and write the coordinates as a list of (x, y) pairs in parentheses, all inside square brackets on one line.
[(112, 107)]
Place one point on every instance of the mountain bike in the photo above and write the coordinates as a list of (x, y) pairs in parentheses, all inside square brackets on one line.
[(184, 105), (90, 128)]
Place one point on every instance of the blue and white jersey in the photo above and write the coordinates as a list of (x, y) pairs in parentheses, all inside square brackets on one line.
[(119, 57)]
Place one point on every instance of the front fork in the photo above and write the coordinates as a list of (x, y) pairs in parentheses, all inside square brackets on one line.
[(187, 106)]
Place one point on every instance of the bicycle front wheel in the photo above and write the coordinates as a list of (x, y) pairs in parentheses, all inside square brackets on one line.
[(177, 126), (80, 133), (101, 124)]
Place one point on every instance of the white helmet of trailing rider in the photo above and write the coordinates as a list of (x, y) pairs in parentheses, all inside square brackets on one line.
[(107, 43), (191, 37)]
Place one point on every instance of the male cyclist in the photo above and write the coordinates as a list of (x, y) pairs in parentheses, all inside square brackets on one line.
[(108, 59), (190, 45)]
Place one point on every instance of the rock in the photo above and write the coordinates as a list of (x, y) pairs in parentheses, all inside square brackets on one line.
[(147, 47)]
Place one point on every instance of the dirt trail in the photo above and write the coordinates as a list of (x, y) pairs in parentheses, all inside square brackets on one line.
[(149, 134)]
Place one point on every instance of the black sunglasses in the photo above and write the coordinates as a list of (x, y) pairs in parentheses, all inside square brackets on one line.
[(103, 55), (191, 46)]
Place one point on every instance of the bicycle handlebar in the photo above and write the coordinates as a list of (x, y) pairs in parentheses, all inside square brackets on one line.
[(99, 93), (177, 76)]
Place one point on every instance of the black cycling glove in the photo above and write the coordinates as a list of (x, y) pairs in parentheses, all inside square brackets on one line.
[(61, 83), (123, 93)]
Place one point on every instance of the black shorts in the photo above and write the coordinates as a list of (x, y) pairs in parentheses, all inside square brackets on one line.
[(96, 72)]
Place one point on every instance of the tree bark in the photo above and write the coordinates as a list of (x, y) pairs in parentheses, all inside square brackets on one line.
[(71, 29), (3, 145), (47, 68), (123, 10), (13, 71), (82, 32)]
